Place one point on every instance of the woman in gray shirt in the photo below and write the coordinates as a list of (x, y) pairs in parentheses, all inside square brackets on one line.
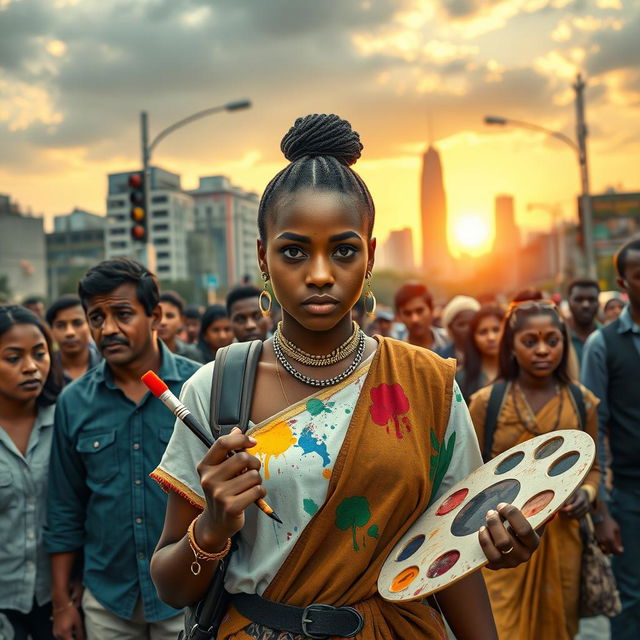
[(29, 385)]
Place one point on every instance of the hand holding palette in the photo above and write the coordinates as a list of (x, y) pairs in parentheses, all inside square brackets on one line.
[(442, 546)]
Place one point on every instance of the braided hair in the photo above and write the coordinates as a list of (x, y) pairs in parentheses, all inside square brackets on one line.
[(321, 149)]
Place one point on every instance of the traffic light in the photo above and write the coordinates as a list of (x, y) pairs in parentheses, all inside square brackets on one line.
[(138, 211)]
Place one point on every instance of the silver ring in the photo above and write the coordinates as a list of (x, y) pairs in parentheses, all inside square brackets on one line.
[(509, 550)]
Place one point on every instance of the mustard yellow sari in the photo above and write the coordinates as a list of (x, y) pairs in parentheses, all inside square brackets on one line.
[(539, 599)]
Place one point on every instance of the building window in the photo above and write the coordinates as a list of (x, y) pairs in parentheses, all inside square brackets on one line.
[(118, 245), (161, 227), (117, 231), (117, 202), (163, 255), (159, 199), (163, 268), (161, 241), (161, 213)]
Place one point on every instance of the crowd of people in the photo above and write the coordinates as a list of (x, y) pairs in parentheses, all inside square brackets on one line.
[(105, 502)]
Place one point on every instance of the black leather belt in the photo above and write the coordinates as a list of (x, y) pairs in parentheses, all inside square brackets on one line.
[(314, 621)]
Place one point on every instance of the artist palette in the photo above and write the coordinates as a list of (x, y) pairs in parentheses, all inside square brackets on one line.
[(442, 546)]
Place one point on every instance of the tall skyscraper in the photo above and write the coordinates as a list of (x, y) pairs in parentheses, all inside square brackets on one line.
[(507, 238), (506, 247), (433, 207)]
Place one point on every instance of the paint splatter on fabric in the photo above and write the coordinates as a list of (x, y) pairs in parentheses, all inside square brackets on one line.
[(440, 459), (315, 406), (389, 403), (309, 444), (310, 506), (352, 513), (273, 441)]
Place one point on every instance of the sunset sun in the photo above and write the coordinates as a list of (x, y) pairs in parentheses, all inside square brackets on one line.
[(471, 235)]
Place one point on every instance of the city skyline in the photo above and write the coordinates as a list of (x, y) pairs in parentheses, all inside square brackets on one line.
[(76, 75)]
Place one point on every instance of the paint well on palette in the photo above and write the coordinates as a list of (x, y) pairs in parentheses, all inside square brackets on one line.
[(454, 500), (537, 503), (509, 463), (548, 447), (473, 515), (443, 563), (404, 579), (411, 547), (563, 463)]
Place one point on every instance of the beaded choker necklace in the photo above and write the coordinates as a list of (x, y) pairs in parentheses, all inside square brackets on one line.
[(315, 382), (340, 353)]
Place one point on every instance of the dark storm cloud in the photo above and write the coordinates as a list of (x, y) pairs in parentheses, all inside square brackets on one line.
[(617, 49), (466, 8), (20, 25)]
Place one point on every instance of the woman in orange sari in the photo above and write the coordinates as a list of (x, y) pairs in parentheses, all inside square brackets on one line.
[(539, 599), (353, 438)]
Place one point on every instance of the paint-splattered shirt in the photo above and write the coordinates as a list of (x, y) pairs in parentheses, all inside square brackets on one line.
[(297, 448)]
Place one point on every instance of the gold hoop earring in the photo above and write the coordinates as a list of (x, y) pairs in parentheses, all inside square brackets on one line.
[(370, 302), (265, 308)]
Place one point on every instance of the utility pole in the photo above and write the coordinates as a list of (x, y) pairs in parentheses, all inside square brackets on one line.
[(585, 197), (143, 256)]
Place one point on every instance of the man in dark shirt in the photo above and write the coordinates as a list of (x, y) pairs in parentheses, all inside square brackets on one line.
[(172, 322), (70, 331), (583, 304), (110, 433), (247, 320), (611, 369)]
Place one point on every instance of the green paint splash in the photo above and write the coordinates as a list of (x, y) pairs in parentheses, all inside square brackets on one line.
[(352, 513), (310, 506)]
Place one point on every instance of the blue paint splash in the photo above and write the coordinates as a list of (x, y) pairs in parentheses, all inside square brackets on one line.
[(309, 444)]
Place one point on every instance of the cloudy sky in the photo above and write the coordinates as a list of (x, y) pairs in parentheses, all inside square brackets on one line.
[(74, 75)]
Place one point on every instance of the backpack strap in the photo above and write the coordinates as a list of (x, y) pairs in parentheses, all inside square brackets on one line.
[(578, 401), (232, 384), (494, 405)]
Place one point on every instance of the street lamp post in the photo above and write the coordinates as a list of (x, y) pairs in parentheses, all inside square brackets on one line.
[(147, 149), (580, 149)]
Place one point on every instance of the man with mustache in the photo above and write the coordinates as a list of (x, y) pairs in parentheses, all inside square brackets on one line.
[(110, 433)]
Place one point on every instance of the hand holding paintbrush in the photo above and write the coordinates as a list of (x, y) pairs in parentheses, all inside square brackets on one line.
[(161, 391)]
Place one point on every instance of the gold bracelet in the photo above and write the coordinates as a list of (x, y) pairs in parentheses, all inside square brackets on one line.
[(64, 608), (201, 554), (591, 492)]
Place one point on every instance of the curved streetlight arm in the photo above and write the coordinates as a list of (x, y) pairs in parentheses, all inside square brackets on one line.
[(534, 127), (231, 106)]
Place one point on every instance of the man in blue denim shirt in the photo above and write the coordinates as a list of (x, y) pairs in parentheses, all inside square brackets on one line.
[(110, 433)]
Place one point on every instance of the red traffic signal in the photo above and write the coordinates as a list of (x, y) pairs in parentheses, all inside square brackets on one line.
[(138, 211)]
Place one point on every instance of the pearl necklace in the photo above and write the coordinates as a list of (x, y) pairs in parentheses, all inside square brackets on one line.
[(315, 382), (294, 352)]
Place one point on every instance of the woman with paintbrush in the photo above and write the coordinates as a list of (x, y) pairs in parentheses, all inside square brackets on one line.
[(354, 437)]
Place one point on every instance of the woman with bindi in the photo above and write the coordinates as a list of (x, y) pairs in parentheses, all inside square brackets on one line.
[(536, 396), (343, 442), (29, 385)]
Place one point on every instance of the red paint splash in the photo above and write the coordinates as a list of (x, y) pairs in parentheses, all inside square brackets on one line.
[(389, 403)]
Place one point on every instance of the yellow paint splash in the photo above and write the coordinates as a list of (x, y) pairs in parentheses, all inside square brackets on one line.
[(273, 441)]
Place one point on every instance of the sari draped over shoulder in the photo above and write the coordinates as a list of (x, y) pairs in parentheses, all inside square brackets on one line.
[(538, 599), (391, 459)]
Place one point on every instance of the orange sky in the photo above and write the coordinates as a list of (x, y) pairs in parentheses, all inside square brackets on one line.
[(75, 74)]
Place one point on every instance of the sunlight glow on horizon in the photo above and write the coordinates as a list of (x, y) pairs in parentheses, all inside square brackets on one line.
[(471, 235)]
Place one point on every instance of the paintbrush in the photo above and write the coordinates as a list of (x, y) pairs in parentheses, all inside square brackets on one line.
[(161, 391)]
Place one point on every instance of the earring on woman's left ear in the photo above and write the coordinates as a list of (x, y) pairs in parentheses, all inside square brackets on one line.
[(370, 302), (265, 301)]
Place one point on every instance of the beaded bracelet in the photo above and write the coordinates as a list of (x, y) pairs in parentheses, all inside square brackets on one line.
[(201, 554), (61, 609)]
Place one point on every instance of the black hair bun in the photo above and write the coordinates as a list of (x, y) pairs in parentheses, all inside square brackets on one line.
[(320, 134)]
